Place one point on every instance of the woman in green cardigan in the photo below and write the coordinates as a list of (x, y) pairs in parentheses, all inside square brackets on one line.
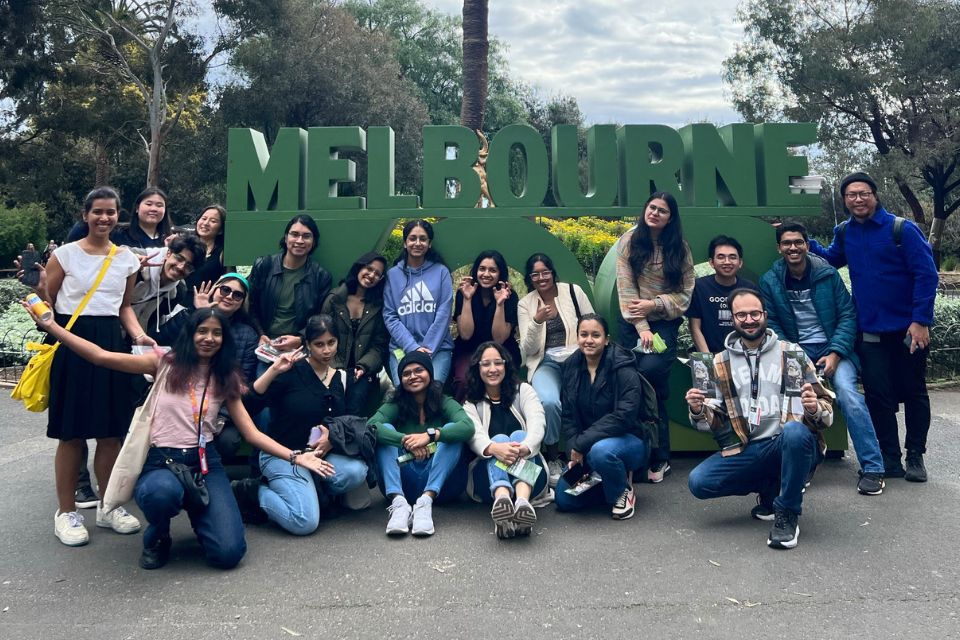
[(417, 419)]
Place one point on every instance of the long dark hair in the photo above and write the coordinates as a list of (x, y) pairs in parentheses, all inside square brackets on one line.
[(163, 227), (671, 241), (218, 241), (306, 221), (409, 411), (352, 280), (498, 259), (476, 390), (432, 254), (184, 361)]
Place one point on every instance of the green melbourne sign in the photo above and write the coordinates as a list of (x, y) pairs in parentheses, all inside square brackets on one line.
[(724, 178)]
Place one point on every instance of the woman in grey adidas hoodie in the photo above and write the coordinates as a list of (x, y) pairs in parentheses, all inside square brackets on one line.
[(417, 302)]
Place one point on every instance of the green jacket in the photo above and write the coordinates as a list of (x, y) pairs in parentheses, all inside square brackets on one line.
[(835, 309), (453, 423), (369, 344)]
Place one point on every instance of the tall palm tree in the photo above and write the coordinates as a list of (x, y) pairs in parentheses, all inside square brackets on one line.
[(476, 48)]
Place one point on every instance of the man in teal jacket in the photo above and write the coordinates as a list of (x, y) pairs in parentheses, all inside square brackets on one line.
[(807, 303)]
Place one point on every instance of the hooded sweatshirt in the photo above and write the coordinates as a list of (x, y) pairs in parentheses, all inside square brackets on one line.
[(152, 301), (417, 304)]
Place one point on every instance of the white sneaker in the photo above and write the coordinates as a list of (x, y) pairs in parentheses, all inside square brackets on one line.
[(555, 469), (119, 520), (422, 517), (69, 528), (399, 523)]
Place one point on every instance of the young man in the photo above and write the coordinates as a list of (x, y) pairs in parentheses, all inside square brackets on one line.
[(894, 282), (808, 303), (778, 437), (710, 319), (160, 283)]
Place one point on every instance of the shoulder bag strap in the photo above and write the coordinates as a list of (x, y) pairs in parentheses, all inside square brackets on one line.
[(576, 305), (93, 289)]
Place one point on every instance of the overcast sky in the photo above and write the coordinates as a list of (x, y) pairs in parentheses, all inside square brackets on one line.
[(625, 61)]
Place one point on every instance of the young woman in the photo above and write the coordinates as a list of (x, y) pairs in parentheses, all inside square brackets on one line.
[(200, 376), (605, 426), (508, 425), (150, 225), (288, 287), (548, 317), (303, 392), (654, 282), (73, 415), (416, 302), (418, 416), (357, 309), (485, 309), (210, 228)]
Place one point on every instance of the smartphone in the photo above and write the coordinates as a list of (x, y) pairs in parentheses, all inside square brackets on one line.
[(28, 262)]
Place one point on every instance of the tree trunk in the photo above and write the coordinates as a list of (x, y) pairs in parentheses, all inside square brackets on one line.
[(476, 49), (914, 203), (101, 162)]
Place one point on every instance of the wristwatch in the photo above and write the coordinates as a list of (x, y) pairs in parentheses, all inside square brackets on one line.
[(434, 434)]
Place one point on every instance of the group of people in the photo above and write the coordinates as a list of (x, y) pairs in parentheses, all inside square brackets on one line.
[(586, 423)]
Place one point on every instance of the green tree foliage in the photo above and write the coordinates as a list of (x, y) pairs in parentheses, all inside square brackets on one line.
[(18, 226), (877, 73)]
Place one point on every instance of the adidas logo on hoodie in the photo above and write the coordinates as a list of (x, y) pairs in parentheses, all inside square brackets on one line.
[(417, 299)]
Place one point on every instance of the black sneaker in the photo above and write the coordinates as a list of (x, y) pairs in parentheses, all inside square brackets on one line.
[(86, 497), (763, 511), (785, 531), (892, 467), (915, 471), (870, 484), (247, 494), (156, 556)]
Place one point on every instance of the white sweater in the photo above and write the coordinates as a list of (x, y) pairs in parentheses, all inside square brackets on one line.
[(533, 335), (526, 408)]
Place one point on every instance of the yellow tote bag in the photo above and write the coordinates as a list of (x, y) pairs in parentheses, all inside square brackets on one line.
[(34, 385)]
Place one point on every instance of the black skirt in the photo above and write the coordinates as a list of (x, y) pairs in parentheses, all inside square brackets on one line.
[(87, 401)]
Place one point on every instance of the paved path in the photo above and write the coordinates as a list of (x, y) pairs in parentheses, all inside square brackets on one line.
[(866, 567)]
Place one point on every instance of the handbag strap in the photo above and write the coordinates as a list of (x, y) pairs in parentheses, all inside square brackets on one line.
[(576, 305), (93, 289)]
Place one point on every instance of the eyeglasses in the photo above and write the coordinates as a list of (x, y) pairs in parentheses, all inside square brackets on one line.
[(229, 292), (858, 195), (660, 211), (409, 372), (753, 315), (793, 243), (486, 364), (296, 235), (183, 263), (541, 275), (373, 272)]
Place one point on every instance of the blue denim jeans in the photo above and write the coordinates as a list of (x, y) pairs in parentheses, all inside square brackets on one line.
[(441, 366), (442, 473), (486, 473), (859, 424), (547, 382), (218, 526), (290, 495), (612, 458), (775, 466)]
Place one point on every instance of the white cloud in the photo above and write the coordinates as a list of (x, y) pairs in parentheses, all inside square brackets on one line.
[(630, 62)]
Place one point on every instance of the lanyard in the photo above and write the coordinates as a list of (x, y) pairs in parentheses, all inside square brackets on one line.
[(199, 415), (755, 374)]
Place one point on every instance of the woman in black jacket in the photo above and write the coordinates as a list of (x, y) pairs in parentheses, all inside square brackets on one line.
[(356, 307), (605, 420)]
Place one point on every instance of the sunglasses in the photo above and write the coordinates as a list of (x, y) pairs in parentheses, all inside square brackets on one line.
[(229, 292)]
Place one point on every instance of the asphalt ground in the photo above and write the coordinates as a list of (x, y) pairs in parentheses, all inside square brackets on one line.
[(866, 567)]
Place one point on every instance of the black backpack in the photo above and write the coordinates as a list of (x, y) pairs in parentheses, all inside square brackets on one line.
[(897, 233)]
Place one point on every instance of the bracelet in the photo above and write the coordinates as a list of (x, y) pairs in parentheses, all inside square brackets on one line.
[(142, 335), (293, 457)]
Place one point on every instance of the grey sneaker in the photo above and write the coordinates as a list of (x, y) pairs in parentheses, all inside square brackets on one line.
[(119, 520), (399, 523), (915, 471), (555, 469), (423, 517), (524, 517), (502, 510)]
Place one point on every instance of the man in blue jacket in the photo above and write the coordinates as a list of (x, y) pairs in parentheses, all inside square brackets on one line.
[(807, 303), (894, 281)]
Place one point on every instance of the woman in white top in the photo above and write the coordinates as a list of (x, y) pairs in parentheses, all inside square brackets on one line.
[(548, 318), (87, 401), (508, 426)]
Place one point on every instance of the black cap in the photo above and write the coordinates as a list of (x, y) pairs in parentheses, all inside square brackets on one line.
[(857, 176), (416, 357)]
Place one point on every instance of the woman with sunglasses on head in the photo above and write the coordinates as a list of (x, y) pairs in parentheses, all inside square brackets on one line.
[(548, 317), (417, 302), (415, 420), (304, 392), (655, 281), (607, 426), (199, 376), (357, 308), (150, 224), (289, 287), (508, 426), (485, 309)]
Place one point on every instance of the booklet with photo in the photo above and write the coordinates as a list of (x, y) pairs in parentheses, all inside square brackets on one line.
[(522, 470), (268, 353), (703, 374), (408, 456), (580, 480), (794, 364)]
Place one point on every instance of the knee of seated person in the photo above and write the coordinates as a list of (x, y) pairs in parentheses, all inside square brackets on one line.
[(518, 436), (600, 452), (302, 526), (500, 438), (797, 433), (227, 554), (160, 488), (349, 477), (695, 482), (562, 501)]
